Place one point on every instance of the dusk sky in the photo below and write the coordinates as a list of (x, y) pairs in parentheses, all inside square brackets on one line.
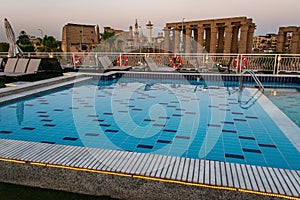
[(51, 15)]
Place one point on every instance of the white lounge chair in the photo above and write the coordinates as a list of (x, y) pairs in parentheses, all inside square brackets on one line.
[(154, 67), (107, 64)]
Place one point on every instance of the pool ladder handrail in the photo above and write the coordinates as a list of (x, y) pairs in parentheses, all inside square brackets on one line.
[(255, 78)]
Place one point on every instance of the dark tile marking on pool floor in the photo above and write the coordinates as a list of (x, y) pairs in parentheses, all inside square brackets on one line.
[(107, 113), (98, 120), (246, 138), (105, 125), (164, 117), (177, 115), (73, 108), (251, 150), (5, 132), (28, 105), (161, 125), (214, 125), (93, 115), (44, 116), (149, 120), (123, 111), (164, 141), (46, 120), (130, 106), (171, 106), (169, 130), (223, 109), (229, 131), (228, 155), (137, 109), (44, 103), (237, 113), (28, 128), (183, 137), (213, 106), (58, 110), (190, 113), (47, 142), (41, 112), (163, 103), (251, 117), (144, 146), (12, 106), (49, 125), (240, 120), (267, 145), (92, 134), (111, 131), (226, 122), (70, 138)]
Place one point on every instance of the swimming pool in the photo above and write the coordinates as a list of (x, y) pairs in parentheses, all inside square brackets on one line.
[(202, 120)]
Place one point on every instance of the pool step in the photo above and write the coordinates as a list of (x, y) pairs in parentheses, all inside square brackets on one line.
[(25, 90)]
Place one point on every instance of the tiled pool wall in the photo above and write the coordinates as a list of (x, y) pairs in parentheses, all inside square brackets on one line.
[(273, 80), (112, 185)]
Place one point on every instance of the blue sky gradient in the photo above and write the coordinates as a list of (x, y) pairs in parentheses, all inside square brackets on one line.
[(51, 15)]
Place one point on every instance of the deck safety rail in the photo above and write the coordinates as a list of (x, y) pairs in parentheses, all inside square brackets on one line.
[(255, 78)]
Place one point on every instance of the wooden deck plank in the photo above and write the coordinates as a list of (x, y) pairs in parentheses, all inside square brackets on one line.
[(146, 165), (294, 182), (139, 160), (124, 160), (97, 153), (297, 179), (105, 159), (252, 178), (146, 159)]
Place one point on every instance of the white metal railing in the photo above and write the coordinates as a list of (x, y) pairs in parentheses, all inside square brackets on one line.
[(266, 63)]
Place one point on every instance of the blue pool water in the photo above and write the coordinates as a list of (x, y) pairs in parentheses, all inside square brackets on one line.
[(203, 121)]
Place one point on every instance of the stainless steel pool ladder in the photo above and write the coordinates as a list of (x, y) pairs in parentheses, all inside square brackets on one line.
[(255, 78)]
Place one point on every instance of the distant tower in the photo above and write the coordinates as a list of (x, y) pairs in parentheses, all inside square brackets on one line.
[(136, 33), (149, 28), (97, 34)]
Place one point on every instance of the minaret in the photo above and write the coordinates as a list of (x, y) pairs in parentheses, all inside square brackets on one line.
[(97, 35), (149, 28), (136, 34)]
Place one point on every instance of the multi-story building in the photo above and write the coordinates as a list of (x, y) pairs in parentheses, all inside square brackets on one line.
[(80, 37), (265, 43)]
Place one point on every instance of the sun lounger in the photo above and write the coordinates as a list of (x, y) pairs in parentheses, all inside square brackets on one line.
[(10, 66), (107, 64), (154, 67), (25, 68)]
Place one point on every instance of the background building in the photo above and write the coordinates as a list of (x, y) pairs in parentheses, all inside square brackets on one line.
[(80, 37), (265, 43)]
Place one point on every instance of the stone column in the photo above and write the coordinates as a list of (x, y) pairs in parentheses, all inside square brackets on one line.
[(188, 38), (228, 37), (243, 38), (200, 39), (250, 38), (207, 39), (167, 39), (220, 48), (176, 39), (280, 41), (213, 39), (235, 39)]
